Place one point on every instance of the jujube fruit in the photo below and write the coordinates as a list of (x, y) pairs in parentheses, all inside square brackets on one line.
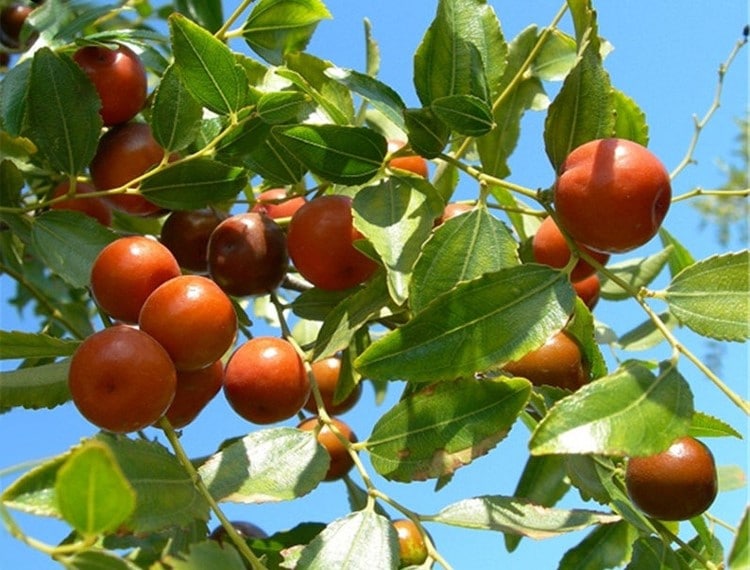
[(12, 19), (93, 207), (247, 254), (124, 153), (412, 549), (558, 362), (276, 203), (320, 241), (411, 163), (327, 372), (195, 389), (588, 290), (676, 484), (121, 379), (612, 195), (192, 318), (126, 272), (119, 78), (341, 460), (265, 380), (186, 233), (550, 248)]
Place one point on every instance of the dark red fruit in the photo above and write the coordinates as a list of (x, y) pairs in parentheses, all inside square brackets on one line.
[(558, 362), (93, 207), (12, 19), (186, 233), (195, 389), (588, 290), (341, 460)]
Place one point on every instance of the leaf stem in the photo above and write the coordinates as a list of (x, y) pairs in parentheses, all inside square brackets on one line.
[(740, 193), (221, 33)]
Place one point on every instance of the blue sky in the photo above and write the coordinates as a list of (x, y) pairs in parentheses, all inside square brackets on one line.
[(666, 56)]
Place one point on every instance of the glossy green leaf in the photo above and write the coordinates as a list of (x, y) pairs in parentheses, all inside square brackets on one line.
[(277, 27), (607, 546), (359, 541), (679, 257), (275, 464), (343, 155), (739, 556), (630, 120), (636, 272), (598, 417), (282, 106), (207, 13), (175, 114), (375, 92), (557, 56), (93, 495), (582, 110), (652, 553), (464, 114), (207, 67), (19, 345), (62, 112), (68, 242), (461, 249), (542, 482), (44, 386), (517, 516), (646, 335), (477, 325), (207, 554), (435, 431), (704, 425), (194, 184), (428, 135), (396, 216), (586, 478), (711, 297), (583, 328)]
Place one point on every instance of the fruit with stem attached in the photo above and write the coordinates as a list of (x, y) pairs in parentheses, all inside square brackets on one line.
[(186, 233), (341, 459), (412, 549), (550, 248), (558, 362), (93, 207), (327, 373), (277, 203)]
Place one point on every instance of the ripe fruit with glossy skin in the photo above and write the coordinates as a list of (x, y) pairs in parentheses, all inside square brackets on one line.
[(186, 233), (265, 380), (126, 272), (12, 19), (677, 484), (195, 389), (588, 290), (126, 152), (119, 78), (326, 373), (247, 254), (612, 195), (550, 248), (192, 318), (121, 379), (558, 362), (320, 241), (276, 203), (341, 460), (414, 163), (412, 549), (452, 210), (93, 207)]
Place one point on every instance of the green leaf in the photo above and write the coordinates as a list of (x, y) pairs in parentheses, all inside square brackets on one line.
[(375, 92), (543, 482), (44, 386), (583, 327), (711, 297), (68, 242), (94, 559), (34, 491), (461, 249), (175, 114), (277, 27), (703, 425), (630, 120), (194, 184), (646, 335), (316, 304), (14, 89), (636, 272), (62, 112), (433, 432), (607, 546), (428, 135), (518, 516), (582, 110), (629, 412), (359, 541), (207, 13), (731, 478), (282, 106), (477, 325), (651, 553), (275, 464), (207, 554), (739, 556), (19, 345), (93, 495), (556, 58), (464, 114), (396, 216), (207, 67), (679, 257), (343, 155)]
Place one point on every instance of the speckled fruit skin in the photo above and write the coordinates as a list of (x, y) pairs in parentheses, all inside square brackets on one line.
[(341, 461), (121, 379), (677, 484), (192, 318), (612, 195), (265, 380), (558, 362)]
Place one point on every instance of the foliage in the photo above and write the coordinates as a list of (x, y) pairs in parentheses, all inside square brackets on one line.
[(450, 304)]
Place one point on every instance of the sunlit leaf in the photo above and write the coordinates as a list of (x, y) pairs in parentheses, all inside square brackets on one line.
[(651, 553), (44, 386), (704, 425), (207, 13), (19, 345), (282, 106), (630, 120), (739, 556), (464, 114)]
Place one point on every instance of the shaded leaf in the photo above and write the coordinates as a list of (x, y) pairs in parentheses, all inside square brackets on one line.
[(207, 13), (556, 58), (651, 553), (630, 120), (464, 114), (646, 335), (428, 135), (175, 114), (435, 431), (19, 345), (207, 554), (679, 257), (607, 546), (739, 556), (44, 386), (636, 272)]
